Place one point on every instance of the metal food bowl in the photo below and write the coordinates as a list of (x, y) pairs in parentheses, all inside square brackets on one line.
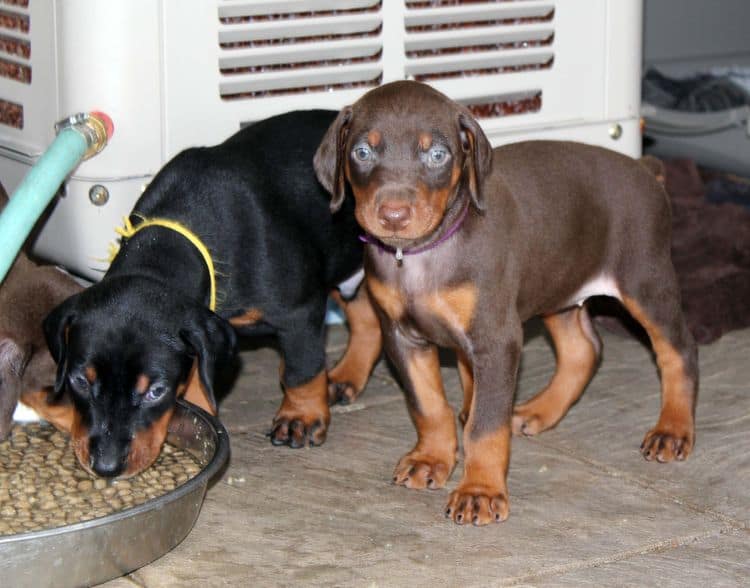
[(98, 550)]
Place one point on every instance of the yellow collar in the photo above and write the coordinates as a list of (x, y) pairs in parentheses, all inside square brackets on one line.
[(128, 230)]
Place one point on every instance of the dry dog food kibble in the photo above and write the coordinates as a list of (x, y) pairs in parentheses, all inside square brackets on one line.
[(42, 486)]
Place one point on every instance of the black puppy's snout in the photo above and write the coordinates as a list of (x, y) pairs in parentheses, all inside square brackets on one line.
[(106, 458)]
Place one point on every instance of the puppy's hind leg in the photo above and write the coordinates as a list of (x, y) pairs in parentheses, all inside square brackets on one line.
[(466, 376), (655, 304), (349, 376), (577, 347)]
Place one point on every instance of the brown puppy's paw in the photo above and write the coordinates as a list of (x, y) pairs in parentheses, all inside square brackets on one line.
[(418, 470), (298, 431), (479, 505), (342, 392), (665, 446)]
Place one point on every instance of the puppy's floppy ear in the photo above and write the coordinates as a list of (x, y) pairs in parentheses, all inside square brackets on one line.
[(330, 158), (212, 341), (478, 160), (55, 328)]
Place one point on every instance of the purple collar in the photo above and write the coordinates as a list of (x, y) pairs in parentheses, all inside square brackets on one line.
[(399, 253)]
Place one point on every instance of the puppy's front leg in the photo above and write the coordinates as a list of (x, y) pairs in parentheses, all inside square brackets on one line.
[(303, 417), (430, 463), (482, 495)]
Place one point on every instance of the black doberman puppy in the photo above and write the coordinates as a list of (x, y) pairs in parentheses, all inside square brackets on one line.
[(238, 236), (467, 242)]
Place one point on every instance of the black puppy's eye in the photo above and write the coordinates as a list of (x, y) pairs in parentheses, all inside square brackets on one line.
[(437, 156), (155, 393), (362, 152), (80, 384)]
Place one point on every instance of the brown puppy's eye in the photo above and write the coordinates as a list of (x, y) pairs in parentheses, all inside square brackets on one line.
[(437, 156), (362, 152)]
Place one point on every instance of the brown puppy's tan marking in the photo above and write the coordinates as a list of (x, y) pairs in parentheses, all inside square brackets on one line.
[(482, 495), (454, 306), (437, 200), (348, 377), (674, 434), (425, 141), (433, 458), (577, 348), (391, 300), (374, 137), (304, 413)]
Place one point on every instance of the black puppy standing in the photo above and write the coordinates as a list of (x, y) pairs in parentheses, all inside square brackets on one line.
[(130, 345)]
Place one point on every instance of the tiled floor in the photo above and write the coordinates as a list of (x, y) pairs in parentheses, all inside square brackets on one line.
[(586, 509)]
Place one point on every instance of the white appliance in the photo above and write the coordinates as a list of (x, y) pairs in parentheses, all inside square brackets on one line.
[(177, 73), (687, 38)]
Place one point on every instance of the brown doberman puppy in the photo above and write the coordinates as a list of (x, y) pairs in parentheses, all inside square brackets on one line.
[(27, 370), (467, 242)]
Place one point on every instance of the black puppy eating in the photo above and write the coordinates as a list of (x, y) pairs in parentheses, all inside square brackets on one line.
[(233, 237)]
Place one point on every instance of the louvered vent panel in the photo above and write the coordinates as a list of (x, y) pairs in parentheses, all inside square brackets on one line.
[(15, 54), (470, 38), (292, 46), (504, 104)]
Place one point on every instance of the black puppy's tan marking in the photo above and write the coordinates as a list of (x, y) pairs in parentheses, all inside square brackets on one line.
[(549, 224)]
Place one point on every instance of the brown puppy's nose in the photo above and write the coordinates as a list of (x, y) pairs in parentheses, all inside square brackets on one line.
[(394, 216)]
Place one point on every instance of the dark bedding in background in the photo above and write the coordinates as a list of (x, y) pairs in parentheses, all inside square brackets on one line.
[(711, 248), (710, 251)]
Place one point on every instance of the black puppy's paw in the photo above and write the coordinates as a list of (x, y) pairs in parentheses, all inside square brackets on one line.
[(296, 433)]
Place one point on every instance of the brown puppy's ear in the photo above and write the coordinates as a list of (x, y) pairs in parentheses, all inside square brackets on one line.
[(55, 328), (478, 160), (330, 158), (212, 341)]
